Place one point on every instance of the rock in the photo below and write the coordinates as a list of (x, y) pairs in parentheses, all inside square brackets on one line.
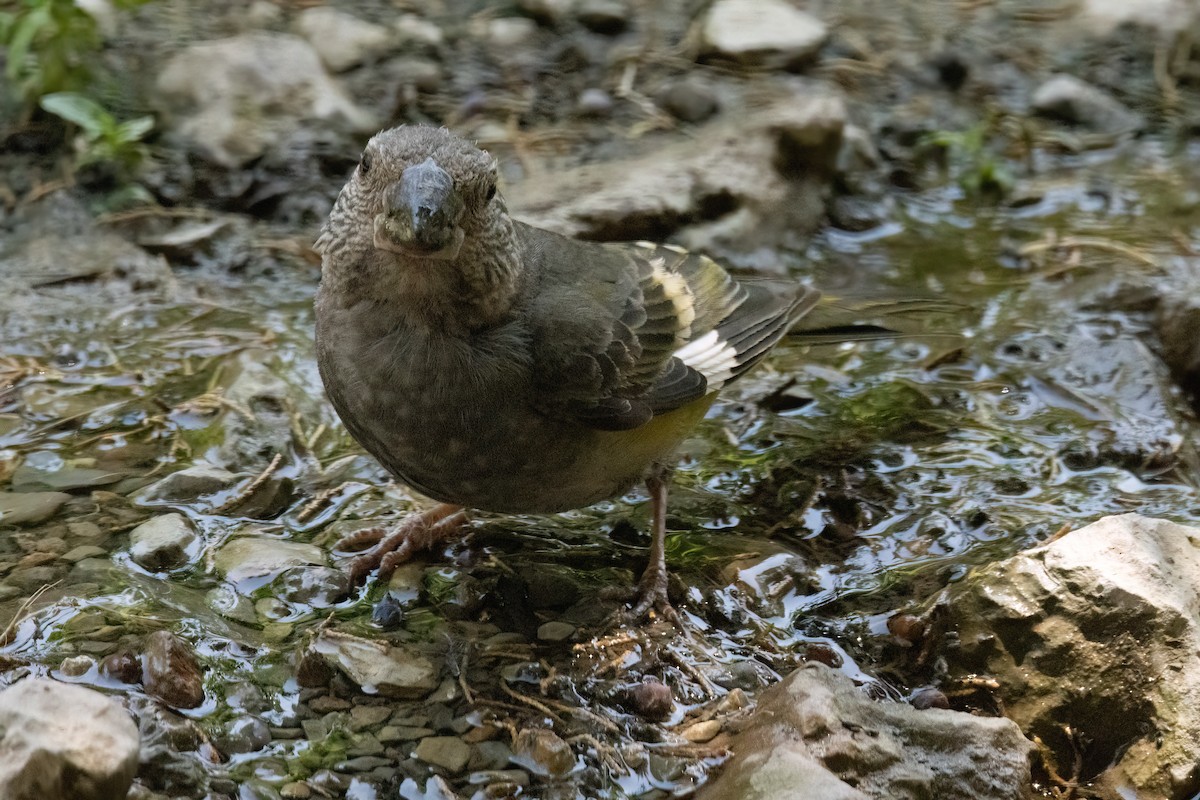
[(64, 741), (548, 11), (415, 30), (47, 470), (52, 266), (170, 671), (1069, 99), (594, 103), (162, 543), (343, 40), (1177, 325), (555, 631), (689, 99), (1135, 423), (506, 33), (762, 32), (1167, 18), (375, 667), (816, 735), (187, 484), (738, 187), (1096, 630), (448, 752), (702, 731), (543, 752), (232, 98), (249, 557), (319, 587), (651, 699), (251, 440), (30, 508), (603, 16), (243, 734)]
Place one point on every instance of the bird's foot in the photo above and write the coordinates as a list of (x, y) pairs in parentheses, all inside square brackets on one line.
[(415, 533), (650, 594)]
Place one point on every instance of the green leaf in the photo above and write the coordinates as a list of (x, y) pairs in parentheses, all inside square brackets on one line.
[(134, 129), (83, 111), (23, 34)]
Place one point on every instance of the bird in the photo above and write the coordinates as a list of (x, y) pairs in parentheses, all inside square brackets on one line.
[(495, 366)]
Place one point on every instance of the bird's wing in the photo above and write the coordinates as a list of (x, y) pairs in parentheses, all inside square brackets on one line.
[(624, 332)]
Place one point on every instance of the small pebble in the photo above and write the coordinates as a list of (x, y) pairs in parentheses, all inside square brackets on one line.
[(923, 699), (388, 614), (908, 628), (651, 699), (555, 631), (594, 103), (448, 752), (75, 666), (702, 731)]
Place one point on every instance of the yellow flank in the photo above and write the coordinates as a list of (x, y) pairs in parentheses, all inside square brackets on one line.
[(622, 455)]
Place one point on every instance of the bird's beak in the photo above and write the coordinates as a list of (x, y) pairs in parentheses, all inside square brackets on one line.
[(422, 214)]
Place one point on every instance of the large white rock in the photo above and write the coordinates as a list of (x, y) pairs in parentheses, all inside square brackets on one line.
[(1097, 630), (234, 97), (59, 741), (343, 40), (772, 32), (816, 735)]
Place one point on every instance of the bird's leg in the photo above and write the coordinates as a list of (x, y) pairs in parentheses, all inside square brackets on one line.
[(420, 531), (652, 588)]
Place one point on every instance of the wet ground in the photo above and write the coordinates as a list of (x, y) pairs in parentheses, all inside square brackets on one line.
[(836, 486)]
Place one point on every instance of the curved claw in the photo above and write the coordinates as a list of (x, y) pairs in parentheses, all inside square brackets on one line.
[(415, 533)]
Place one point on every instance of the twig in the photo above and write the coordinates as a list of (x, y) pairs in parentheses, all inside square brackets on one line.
[(251, 488)]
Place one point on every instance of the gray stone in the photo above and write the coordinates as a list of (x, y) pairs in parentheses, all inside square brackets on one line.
[(343, 40), (233, 98), (84, 551), (689, 99), (47, 470), (543, 752), (448, 752), (163, 542), (30, 508), (188, 484), (1068, 98), (319, 587), (551, 11), (766, 169), (768, 32), (64, 741), (250, 557), (505, 33), (244, 734), (603, 16), (816, 735), (555, 631), (376, 667), (1096, 630), (415, 30), (170, 671)]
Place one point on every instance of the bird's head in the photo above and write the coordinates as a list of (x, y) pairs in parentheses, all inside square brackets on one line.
[(421, 212)]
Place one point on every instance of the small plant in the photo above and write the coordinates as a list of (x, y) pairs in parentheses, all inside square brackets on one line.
[(50, 46), (979, 170), (103, 140)]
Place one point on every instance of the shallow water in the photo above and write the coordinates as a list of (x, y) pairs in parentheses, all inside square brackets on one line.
[(1025, 400)]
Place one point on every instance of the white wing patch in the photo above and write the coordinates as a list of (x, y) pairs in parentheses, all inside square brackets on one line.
[(676, 290), (712, 357)]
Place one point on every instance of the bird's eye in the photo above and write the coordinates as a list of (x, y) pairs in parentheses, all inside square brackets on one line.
[(364, 163), (491, 192)]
